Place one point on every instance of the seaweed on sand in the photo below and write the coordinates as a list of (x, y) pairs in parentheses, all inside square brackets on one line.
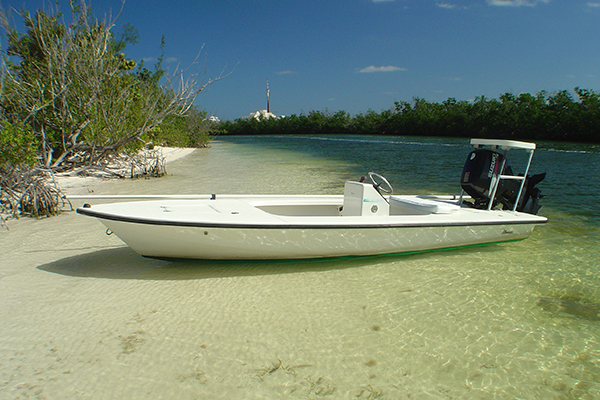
[(270, 369), (570, 306)]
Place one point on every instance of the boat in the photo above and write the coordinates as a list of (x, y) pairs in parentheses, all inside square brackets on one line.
[(495, 205)]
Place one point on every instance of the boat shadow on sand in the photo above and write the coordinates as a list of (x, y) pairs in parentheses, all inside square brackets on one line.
[(124, 263)]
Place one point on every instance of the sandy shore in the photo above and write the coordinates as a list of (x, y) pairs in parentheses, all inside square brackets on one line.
[(57, 327), (75, 185)]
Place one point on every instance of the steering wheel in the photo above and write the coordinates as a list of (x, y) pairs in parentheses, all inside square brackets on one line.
[(382, 181)]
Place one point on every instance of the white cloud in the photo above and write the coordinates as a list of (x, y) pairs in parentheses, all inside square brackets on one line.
[(593, 4), (446, 5), (170, 60), (381, 1), (286, 72), (516, 3), (387, 68), (451, 6)]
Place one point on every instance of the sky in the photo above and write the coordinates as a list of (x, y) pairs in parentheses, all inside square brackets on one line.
[(360, 55)]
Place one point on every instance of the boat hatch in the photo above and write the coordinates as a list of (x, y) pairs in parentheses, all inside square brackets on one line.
[(417, 206)]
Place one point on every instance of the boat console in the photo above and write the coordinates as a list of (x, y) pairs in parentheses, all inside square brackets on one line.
[(363, 199)]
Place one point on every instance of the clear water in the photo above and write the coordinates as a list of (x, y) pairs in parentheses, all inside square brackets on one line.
[(516, 320)]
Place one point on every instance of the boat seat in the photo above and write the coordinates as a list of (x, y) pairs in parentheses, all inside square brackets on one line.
[(415, 205)]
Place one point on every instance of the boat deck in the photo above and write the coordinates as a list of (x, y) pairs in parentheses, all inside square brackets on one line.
[(300, 211)]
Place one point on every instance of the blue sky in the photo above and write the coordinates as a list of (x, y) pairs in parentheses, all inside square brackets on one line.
[(356, 55)]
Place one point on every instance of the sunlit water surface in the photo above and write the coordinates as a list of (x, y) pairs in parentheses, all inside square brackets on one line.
[(515, 320)]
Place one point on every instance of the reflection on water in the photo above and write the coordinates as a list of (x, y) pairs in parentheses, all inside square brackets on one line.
[(516, 320)]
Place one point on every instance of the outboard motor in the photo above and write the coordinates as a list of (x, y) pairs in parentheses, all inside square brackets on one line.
[(530, 199), (480, 174)]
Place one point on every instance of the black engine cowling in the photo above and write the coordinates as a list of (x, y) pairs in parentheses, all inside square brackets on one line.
[(479, 176)]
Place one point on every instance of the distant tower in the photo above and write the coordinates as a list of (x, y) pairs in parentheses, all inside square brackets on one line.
[(268, 95)]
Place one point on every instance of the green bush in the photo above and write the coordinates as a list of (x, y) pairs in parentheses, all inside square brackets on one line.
[(18, 144), (191, 130)]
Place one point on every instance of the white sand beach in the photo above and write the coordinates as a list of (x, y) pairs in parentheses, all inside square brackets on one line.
[(76, 185)]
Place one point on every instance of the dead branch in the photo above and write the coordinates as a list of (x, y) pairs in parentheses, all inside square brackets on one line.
[(25, 192)]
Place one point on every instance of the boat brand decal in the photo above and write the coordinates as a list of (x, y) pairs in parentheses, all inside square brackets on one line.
[(493, 163), (467, 175)]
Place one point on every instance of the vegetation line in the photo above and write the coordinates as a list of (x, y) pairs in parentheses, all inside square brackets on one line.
[(545, 116)]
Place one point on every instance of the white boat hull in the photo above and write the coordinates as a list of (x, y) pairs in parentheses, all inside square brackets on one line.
[(254, 227), (249, 244)]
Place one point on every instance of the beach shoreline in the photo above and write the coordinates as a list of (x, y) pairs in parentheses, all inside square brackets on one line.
[(82, 185)]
